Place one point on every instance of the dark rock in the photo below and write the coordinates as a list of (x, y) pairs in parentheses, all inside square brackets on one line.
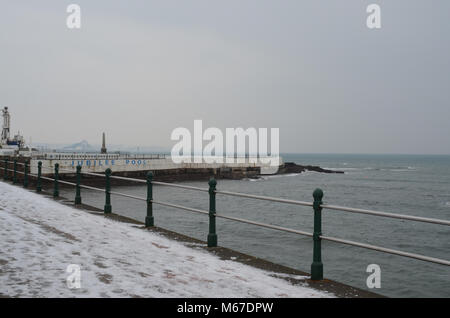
[(291, 167)]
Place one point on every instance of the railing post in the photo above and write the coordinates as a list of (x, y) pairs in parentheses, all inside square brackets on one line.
[(55, 184), (149, 220), (317, 265), (5, 176), (212, 236), (108, 208), (38, 181), (15, 171), (77, 187), (25, 175)]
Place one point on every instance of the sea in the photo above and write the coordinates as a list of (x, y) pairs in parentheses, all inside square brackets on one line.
[(416, 185)]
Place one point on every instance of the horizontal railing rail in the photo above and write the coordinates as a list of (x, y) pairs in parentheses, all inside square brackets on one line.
[(386, 214), (317, 204), (265, 198), (181, 207), (387, 250), (269, 226)]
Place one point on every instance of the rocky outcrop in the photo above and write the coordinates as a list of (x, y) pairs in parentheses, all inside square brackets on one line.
[(291, 167)]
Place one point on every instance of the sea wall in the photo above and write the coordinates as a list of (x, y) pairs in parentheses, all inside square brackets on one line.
[(130, 165)]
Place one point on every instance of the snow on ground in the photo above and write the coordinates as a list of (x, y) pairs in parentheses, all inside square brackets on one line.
[(39, 238)]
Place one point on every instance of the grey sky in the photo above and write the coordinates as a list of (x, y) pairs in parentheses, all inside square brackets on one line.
[(139, 69)]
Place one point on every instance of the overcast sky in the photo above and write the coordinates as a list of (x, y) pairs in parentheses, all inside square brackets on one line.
[(139, 69)]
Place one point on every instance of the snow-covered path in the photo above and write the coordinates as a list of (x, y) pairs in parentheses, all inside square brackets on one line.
[(39, 238)]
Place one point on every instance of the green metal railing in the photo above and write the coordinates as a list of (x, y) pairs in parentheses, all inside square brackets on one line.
[(212, 239)]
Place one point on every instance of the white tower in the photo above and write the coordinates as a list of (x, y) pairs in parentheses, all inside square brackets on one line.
[(6, 123)]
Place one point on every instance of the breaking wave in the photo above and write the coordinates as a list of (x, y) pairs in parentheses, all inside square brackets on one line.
[(393, 169), (263, 178)]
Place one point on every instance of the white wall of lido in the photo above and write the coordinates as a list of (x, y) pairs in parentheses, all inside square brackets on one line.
[(121, 164)]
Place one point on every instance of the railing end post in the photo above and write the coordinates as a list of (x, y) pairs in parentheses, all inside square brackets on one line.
[(5, 175), (77, 189), (55, 185), (212, 235), (317, 265), (108, 209), (25, 174), (38, 181), (149, 219), (15, 171)]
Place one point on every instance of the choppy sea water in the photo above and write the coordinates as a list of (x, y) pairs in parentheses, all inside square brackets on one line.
[(407, 184)]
